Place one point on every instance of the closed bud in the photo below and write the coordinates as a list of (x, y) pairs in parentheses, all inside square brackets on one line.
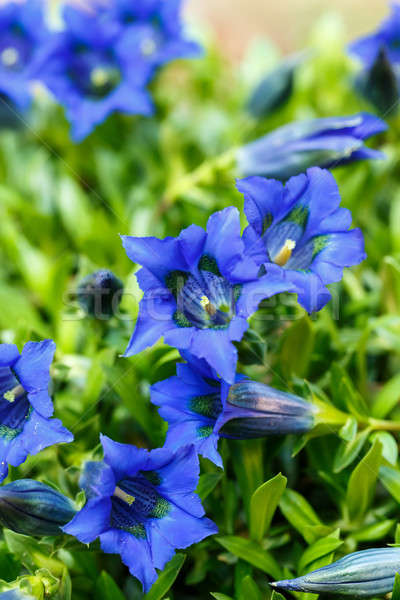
[(275, 89), (360, 574), (254, 410), (33, 508), (99, 294), (379, 85)]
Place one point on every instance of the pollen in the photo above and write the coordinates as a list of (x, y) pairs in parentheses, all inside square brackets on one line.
[(148, 47), (99, 77), (285, 253), (13, 394), (208, 307), (9, 57), (124, 496)]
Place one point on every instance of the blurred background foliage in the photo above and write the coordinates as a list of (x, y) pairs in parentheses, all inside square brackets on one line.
[(62, 208)]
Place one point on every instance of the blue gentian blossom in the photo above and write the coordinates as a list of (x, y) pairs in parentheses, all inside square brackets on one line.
[(154, 26), (360, 575), (25, 405), (92, 72), (300, 229), (23, 42), (200, 408), (142, 505), (387, 37), (199, 289), (327, 142)]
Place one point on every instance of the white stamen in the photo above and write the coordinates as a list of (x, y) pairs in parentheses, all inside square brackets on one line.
[(208, 307), (99, 77), (124, 496), (285, 252), (9, 56), (148, 47), (11, 395)]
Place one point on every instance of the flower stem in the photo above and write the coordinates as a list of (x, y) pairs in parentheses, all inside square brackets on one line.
[(383, 425)]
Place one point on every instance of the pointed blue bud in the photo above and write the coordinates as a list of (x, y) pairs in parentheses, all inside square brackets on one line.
[(33, 508), (255, 410), (99, 294), (360, 574), (379, 84)]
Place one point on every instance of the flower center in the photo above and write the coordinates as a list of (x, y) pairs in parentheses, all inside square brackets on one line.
[(15, 408), (16, 392), (148, 47), (208, 307), (284, 254), (9, 56), (124, 496)]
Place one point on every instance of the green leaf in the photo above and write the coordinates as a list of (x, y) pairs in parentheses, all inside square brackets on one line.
[(251, 553), (107, 589), (220, 596), (263, 504), (207, 483), (362, 482), (249, 467), (319, 549), (376, 531), (299, 513), (387, 398), (249, 589), (349, 429), (390, 450), (348, 451), (397, 534), (299, 335), (390, 479), (396, 587), (166, 578), (277, 596), (65, 589)]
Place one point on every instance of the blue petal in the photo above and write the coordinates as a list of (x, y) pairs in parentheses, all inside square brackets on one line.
[(160, 257), (343, 249), (262, 198), (191, 242), (216, 348), (312, 293), (33, 372), (8, 355), (180, 477), (124, 459), (40, 432), (184, 431), (91, 521), (97, 479), (266, 286), (136, 555)]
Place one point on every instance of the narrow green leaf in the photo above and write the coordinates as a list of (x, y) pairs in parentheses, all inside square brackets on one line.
[(299, 335), (299, 513), (348, 451), (249, 589), (387, 398), (362, 482), (396, 587), (263, 504), (397, 534), (374, 532), (249, 467), (251, 553), (220, 596), (390, 479), (277, 596), (319, 549), (166, 578), (107, 589), (207, 483), (349, 429)]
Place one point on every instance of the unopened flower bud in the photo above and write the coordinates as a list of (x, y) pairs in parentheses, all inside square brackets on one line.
[(99, 294), (360, 574), (33, 508)]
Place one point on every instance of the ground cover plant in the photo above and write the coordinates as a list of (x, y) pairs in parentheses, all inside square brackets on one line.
[(200, 309)]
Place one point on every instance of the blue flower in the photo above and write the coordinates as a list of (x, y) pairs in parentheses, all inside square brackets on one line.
[(200, 408), (360, 574), (155, 27), (23, 41), (142, 505), (300, 229), (199, 289), (25, 404), (94, 71), (386, 37), (100, 293), (293, 148), (33, 508)]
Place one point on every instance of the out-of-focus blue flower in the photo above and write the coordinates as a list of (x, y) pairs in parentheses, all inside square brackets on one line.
[(92, 72), (23, 41), (142, 505), (360, 574), (199, 290), (33, 508), (200, 408), (387, 36), (328, 142), (300, 229), (16, 594), (99, 294), (153, 26), (25, 404)]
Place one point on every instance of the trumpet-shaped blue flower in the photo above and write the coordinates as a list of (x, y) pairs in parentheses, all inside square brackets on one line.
[(23, 40), (142, 505), (155, 27), (386, 37), (200, 408), (33, 508), (300, 229), (93, 70), (199, 289), (360, 574), (293, 148), (25, 405)]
